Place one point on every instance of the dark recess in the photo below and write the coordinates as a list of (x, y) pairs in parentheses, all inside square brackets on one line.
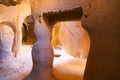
[(68, 15)]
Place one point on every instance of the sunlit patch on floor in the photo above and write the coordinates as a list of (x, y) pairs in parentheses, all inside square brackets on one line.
[(65, 66)]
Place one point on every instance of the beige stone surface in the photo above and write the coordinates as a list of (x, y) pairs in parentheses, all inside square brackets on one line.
[(65, 67), (15, 15), (45, 6), (9, 69), (74, 39), (55, 41)]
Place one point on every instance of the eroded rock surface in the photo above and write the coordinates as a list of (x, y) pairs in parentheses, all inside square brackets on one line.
[(8, 66), (75, 39), (42, 53)]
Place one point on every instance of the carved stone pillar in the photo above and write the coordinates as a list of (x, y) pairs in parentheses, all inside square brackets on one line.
[(42, 53)]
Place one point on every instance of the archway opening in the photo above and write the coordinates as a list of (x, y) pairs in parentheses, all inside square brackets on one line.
[(28, 36), (71, 44), (69, 39)]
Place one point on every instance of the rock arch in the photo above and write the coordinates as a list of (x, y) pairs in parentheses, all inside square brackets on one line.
[(101, 20), (42, 53)]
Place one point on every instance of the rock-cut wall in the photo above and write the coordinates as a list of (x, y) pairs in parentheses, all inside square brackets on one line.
[(102, 21)]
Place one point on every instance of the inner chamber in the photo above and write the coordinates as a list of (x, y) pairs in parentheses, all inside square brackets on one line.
[(70, 42)]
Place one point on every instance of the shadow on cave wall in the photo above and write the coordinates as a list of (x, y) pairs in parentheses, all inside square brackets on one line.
[(28, 36)]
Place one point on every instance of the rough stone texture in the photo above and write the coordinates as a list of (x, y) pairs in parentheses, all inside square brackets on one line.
[(42, 53), (14, 29), (7, 36), (8, 67), (102, 21), (45, 6), (15, 15), (74, 39)]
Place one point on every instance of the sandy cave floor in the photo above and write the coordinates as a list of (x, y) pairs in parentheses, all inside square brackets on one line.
[(65, 66)]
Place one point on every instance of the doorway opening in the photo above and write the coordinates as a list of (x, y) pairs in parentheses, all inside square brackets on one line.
[(28, 36), (71, 43)]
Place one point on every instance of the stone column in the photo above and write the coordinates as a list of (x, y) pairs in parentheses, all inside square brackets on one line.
[(42, 53), (102, 21)]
